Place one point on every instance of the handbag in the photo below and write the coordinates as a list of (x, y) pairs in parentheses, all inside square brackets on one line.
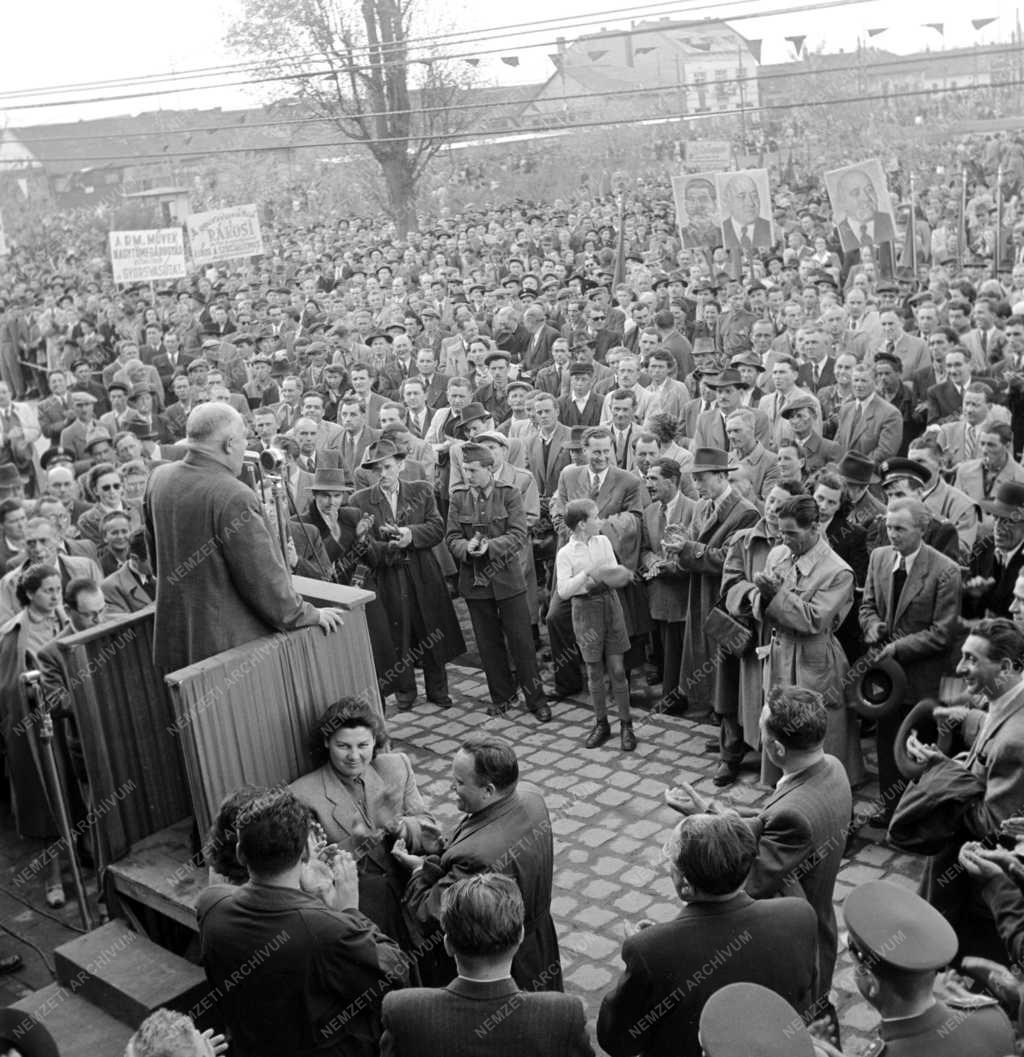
[(732, 635)]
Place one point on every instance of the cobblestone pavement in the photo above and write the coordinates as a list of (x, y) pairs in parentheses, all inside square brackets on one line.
[(609, 822)]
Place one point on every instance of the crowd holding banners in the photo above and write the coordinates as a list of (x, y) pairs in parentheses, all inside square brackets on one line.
[(822, 445)]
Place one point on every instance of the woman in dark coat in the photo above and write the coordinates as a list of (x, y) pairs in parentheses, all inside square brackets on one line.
[(406, 576), (40, 620), (338, 527)]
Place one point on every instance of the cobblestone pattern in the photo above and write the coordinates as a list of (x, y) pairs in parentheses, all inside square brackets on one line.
[(610, 822)]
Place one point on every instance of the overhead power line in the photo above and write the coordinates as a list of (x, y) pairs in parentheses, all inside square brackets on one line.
[(638, 119), (328, 71), (667, 89)]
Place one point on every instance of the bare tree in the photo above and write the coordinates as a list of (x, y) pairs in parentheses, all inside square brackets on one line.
[(353, 64)]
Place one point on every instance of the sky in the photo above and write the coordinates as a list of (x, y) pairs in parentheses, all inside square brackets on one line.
[(110, 39)]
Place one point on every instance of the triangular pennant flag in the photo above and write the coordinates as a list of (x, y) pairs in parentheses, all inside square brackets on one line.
[(939, 27), (875, 32), (754, 47), (981, 23), (556, 60), (643, 51), (510, 60), (476, 62), (595, 55), (797, 42), (698, 44)]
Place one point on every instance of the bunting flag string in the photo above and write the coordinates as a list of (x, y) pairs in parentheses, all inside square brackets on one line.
[(939, 27), (556, 60), (981, 23), (595, 55), (754, 46), (875, 32), (798, 42), (510, 60), (643, 51)]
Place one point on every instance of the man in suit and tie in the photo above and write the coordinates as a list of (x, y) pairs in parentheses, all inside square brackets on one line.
[(980, 477), (582, 407), (744, 230), (547, 451), (538, 350), (435, 384), (909, 612), (818, 368), (553, 378), (620, 498), (785, 372), (868, 424), (356, 436), (418, 415), (55, 411), (912, 351), (710, 429), (997, 561), (801, 831), (669, 975), (862, 223), (483, 918), (624, 429), (960, 439), (665, 582), (946, 399), (289, 410), (985, 342), (132, 586)]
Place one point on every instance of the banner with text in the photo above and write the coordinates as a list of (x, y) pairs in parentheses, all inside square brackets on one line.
[(708, 155), (224, 234), (147, 256)]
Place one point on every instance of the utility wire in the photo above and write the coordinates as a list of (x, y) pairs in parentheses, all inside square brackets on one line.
[(327, 72), (521, 133), (667, 89)]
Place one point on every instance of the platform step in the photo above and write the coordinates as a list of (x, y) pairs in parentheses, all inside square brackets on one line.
[(79, 1028), (126, 974)]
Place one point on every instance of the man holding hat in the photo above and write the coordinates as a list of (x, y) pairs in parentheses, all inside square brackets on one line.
[(909, 613), (486, 534), (899, 943)]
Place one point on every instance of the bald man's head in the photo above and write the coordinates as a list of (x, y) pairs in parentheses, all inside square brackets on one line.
[(217, 430)]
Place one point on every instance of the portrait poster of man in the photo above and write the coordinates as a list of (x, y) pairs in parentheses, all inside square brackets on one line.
[(745, 201), (861, 207), (697, 215)]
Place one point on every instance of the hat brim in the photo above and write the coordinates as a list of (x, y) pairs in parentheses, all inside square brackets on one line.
[(1001, 509), (919, 718), (701, 467), (881, 688)]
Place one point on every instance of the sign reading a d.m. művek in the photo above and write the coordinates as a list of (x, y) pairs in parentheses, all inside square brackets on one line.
[(224, 234), (147, 256)]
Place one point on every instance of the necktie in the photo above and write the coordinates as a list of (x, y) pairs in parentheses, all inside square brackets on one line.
[(310, 464), (970, 443), (890, 347), (595, 485), (346, 449), (778, 405), (816, 372), (865, 238), (899, 580), (746, 242), (858, 414)]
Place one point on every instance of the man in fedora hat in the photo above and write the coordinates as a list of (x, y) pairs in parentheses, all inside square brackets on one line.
[(473, 420), (858, 474), (406, 576), (729, 388), (999, 558), (720, 512), (486, 534), (908, 612)]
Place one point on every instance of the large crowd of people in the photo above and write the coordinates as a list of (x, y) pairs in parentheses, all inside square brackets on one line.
[(764, 483)]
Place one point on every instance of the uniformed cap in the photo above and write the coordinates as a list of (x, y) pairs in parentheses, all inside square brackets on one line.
[(79, 396), (52, 456), (893, 925), (477, 453), (123, 386), (752, 1020), (887, 288), (896, 469), (498, 354), (492, 435), (519, 383)]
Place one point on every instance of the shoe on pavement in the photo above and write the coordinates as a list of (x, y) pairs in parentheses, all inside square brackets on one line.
[(542, 712), (599, 734), (10, 963), (441, 702), (627, 739), (725, 774)]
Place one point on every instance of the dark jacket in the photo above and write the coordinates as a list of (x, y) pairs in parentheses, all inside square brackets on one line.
[(221, 580), (306, 995), (673, 969), (447, 1022), (502, 520)]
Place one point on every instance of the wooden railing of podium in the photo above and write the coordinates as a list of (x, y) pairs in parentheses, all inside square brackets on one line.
[(158, 750)]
